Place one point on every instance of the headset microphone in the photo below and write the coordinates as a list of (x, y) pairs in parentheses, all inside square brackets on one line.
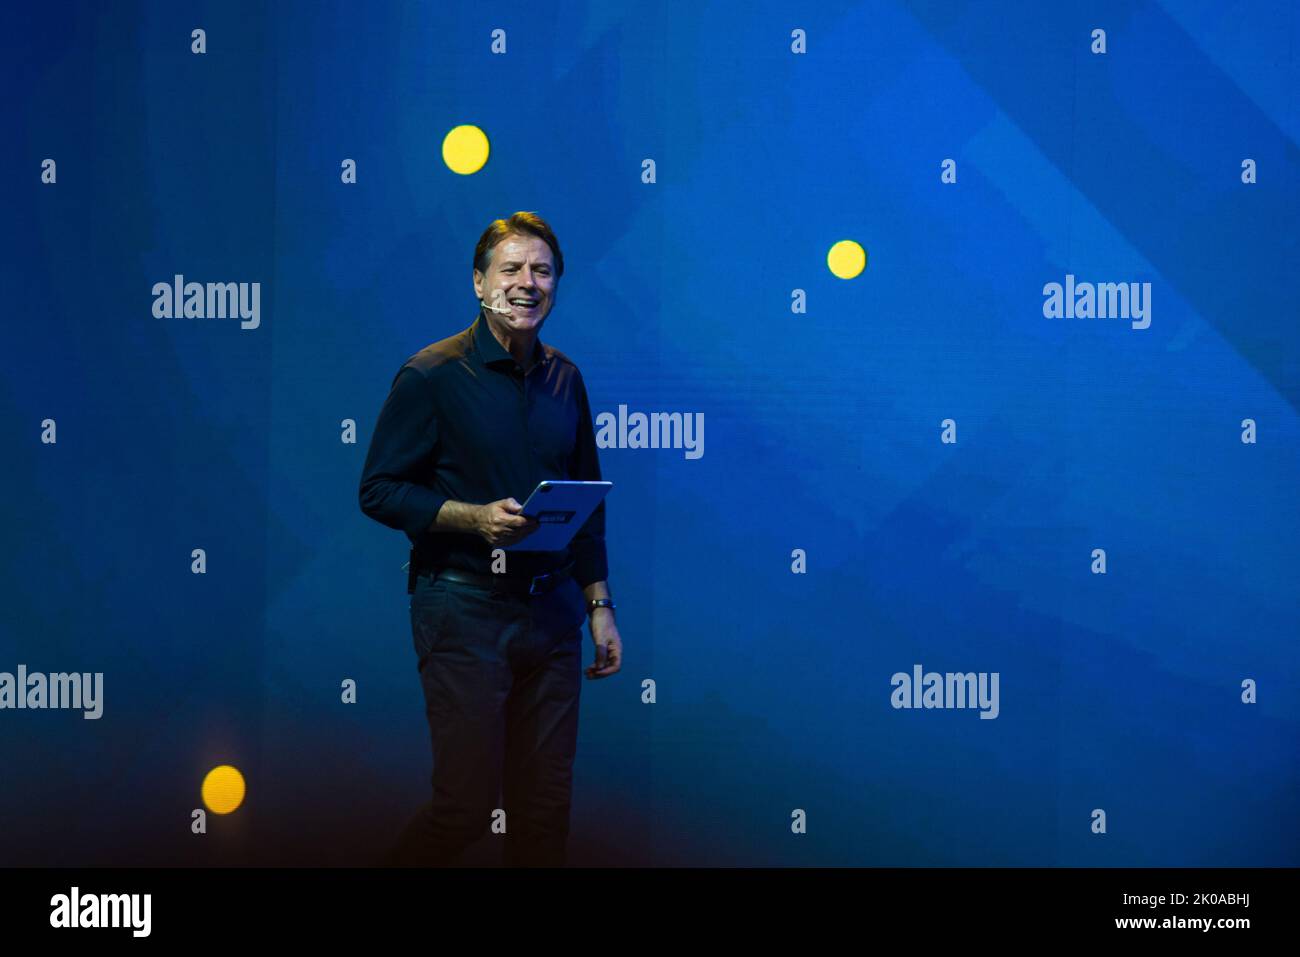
[(496, 309)]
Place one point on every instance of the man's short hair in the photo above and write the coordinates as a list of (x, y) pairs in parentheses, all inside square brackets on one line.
[(521, 223)]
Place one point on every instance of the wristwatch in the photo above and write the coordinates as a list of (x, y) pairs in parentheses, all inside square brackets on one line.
[(595, 603)]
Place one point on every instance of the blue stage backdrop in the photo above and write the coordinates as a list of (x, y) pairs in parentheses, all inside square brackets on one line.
[(987, 555)]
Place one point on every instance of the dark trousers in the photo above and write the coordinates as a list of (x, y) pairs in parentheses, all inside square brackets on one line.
[(501, 675)]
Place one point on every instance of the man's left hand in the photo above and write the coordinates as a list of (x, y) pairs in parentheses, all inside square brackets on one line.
[(609, 646)]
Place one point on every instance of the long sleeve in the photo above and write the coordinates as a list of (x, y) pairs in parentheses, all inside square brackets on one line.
[(402, 446), (588, 545)]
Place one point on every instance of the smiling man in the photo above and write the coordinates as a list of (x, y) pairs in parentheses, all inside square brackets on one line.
[(471, 424)]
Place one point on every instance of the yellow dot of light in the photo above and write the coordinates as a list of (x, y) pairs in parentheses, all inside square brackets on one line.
[(846, 259), (223, 789), (465, 149)]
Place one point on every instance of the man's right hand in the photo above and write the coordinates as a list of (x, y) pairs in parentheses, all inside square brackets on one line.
[(503, 523)]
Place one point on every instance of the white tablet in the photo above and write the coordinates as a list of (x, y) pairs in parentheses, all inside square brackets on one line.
[(561, 507)]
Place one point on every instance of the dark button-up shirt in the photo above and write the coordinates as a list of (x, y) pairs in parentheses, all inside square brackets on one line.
[(462, 421)]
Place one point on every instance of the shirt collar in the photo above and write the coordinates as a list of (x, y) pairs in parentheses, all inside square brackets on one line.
[(490, 350)]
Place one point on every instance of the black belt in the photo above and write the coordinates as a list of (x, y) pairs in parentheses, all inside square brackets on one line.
[(533, 585)]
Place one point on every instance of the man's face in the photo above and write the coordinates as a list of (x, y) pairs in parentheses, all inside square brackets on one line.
[(520, 277)]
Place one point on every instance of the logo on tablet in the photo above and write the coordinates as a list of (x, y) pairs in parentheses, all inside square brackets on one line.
[(556, 517)]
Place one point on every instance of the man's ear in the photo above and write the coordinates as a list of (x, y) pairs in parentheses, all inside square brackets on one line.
[(478, 284)]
